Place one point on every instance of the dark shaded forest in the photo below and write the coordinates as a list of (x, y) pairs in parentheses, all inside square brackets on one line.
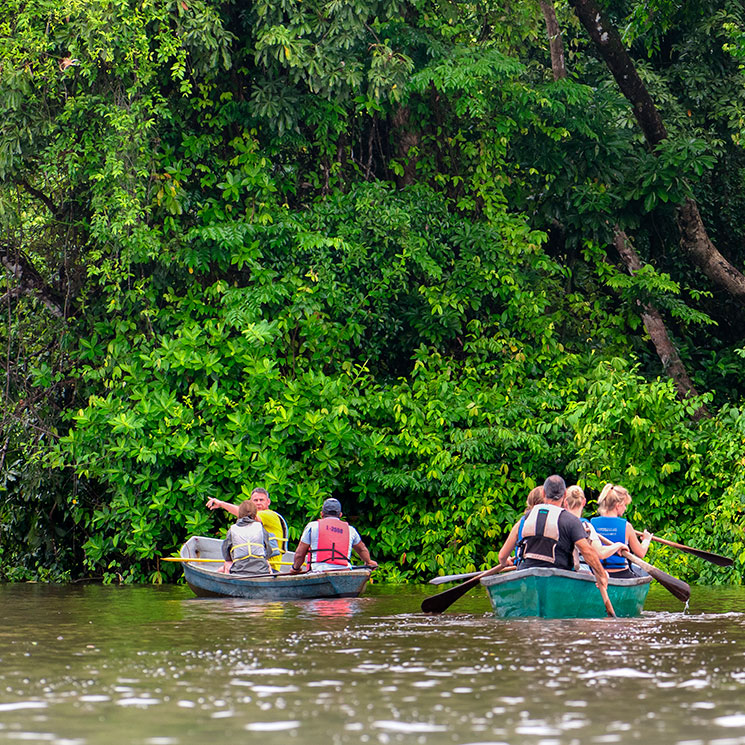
[(414, 255)]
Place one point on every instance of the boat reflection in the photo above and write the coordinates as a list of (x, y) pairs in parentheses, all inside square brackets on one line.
[(333, 607), (274, 609), (239, 607)]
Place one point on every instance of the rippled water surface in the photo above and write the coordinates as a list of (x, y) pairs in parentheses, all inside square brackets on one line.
[(117, 666)]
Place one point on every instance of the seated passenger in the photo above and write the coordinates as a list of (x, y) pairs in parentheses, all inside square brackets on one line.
[(515, 537), (575, 502), (330, 542), (551, 533), (247, 547), (612, 503)]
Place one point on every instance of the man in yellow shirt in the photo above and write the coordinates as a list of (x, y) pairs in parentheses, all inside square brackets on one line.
[(273, 522)]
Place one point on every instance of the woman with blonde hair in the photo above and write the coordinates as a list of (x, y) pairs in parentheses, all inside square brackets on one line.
[(575, 502), (610, 524), (513, 539)]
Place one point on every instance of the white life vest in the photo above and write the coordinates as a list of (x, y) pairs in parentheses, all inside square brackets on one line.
[(541, 533)]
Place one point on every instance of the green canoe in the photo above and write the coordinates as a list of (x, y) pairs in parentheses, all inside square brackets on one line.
[(557, 593)]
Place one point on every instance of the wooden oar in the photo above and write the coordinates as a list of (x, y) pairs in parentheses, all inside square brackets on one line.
[(178, 558), (676, 586), (457, 577), (606, 600), (453, 578), (443, 600), (722, 561), (285, 563)]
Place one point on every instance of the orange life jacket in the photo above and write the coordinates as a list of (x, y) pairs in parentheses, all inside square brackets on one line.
[(333, 542)]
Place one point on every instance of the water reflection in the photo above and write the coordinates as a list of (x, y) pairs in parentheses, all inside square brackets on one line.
[(115, 666), (334, 607)]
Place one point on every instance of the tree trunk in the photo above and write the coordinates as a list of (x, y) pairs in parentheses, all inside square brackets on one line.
[(555, 43), (406, 140), (655, 326), (608, 43), (694, 239), (29, 281)]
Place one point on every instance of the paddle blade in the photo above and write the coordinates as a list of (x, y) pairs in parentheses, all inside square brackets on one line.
[(443, 600), (606, 601), (676, 586), (722, 561)]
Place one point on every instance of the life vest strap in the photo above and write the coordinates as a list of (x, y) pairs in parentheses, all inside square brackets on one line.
[(335, 554), (250, 553)]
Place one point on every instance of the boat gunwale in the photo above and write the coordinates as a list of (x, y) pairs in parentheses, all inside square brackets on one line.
[(555, 572)]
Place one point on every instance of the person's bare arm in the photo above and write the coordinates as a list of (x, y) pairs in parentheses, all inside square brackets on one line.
[(638, 548), (605, 551), (361, 550), (300, 553), (216, 504), (505, 552), (593, 560)]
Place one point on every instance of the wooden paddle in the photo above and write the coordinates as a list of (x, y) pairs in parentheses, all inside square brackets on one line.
[(220, 561), (676, 586), (457, 577), (452, 578), (606, 601), (443, 600), (722, 561)]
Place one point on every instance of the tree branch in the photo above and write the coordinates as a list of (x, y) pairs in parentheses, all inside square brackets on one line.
[(610, 47), (655, 326), (555, 43), (34, 192), (29, 281), (694, 239)]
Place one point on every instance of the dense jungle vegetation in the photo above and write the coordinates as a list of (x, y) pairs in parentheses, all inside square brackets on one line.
[(414, 254)]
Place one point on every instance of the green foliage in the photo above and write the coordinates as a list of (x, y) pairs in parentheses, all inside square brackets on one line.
[(354, 249), (639, 434), (212, 397)]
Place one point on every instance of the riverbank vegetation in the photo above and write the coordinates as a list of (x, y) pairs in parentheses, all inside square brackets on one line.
[(415, 255)]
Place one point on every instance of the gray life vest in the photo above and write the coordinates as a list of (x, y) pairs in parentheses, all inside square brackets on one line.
[(541, 533), (247, 541)]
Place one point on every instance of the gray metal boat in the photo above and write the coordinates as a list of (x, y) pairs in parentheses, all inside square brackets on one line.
[(203, 578)]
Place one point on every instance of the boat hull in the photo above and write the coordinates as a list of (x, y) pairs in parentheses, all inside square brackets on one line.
[(556, 593), (205, 581)]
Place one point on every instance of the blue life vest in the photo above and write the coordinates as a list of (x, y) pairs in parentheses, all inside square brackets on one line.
[(614, 529), (578, 555), (519, 545)]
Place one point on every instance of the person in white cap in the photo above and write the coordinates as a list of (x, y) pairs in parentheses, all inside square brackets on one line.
[(329, 542)]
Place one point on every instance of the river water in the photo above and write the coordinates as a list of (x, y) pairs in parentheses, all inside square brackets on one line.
[(99, 665)]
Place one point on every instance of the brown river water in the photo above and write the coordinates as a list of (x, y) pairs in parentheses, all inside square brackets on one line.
[(96, 665)]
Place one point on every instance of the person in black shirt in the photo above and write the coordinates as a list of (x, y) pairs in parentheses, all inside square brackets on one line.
[(551, 533)]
